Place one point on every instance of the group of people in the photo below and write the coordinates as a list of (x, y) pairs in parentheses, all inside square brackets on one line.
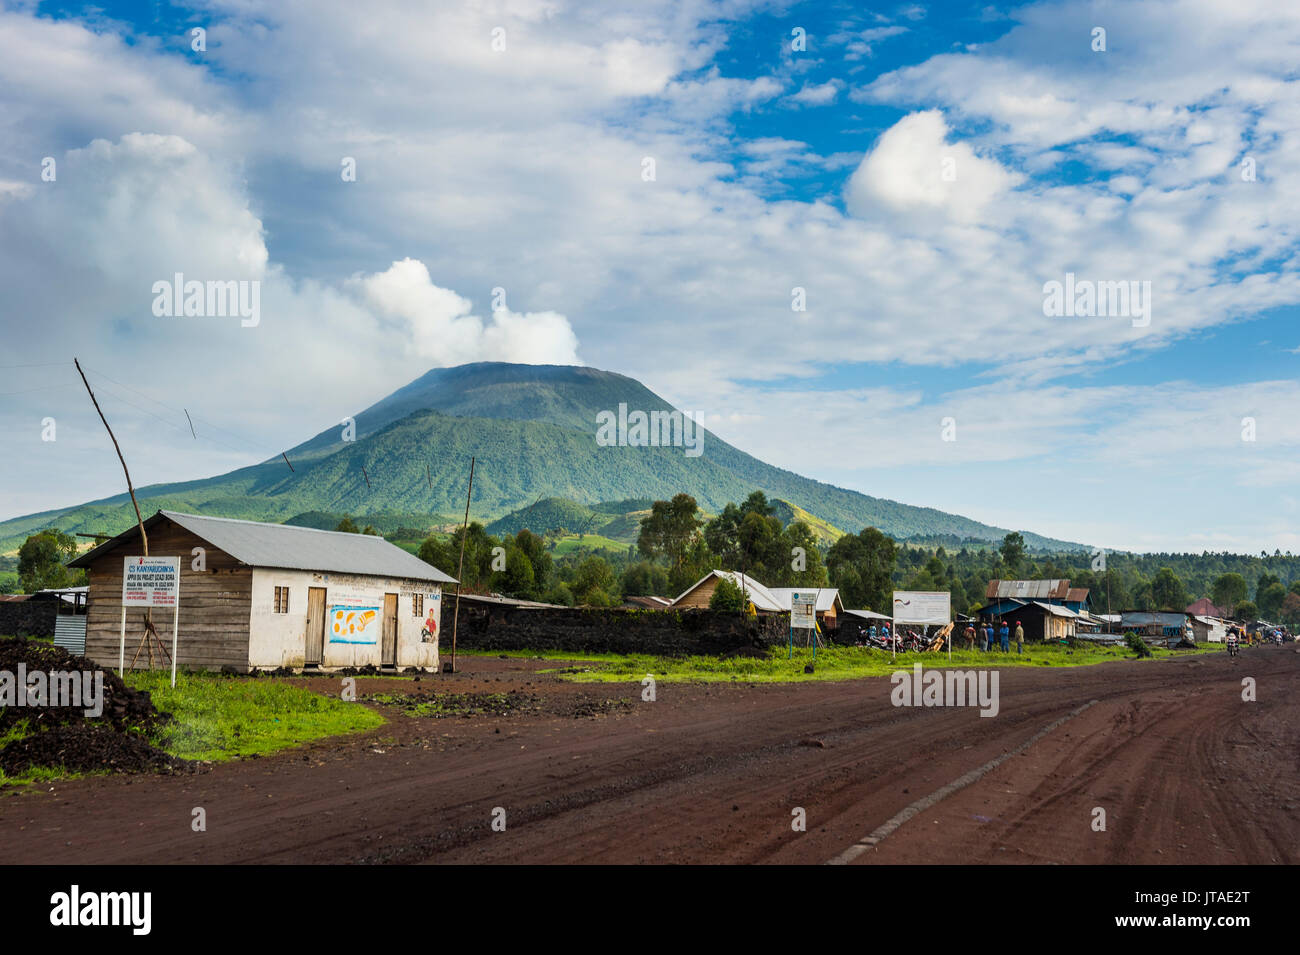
[(988, 640)]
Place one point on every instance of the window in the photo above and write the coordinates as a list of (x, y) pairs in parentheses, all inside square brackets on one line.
[(281, 599), (417, 605)]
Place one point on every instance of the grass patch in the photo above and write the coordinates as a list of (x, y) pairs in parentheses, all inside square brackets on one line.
[(218, 718), (833, 663)]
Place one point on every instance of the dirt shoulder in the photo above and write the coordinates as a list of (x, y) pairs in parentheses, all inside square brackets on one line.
[(712, 772)]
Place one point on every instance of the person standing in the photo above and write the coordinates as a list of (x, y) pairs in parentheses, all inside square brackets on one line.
[(1004, 636), (1020, 638), (970, 636)]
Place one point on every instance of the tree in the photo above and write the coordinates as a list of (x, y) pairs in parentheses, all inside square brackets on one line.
[(1269, 599), (670, 529), (42, 560), (1012, 550), (534, 547), (797, 546), (644, 579), (348, 525), (518, 579), (445, 555), (1290, 611), (1167, 591), (727, 596), (1246, 612), (594, 582), (1228, 590), (862, 566)]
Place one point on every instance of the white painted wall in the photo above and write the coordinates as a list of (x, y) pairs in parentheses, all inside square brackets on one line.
[(280, 639)]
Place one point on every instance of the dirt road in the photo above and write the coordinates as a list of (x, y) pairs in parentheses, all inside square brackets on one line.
[(1183, 768)]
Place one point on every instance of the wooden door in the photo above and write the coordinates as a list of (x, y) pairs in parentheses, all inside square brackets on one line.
[(315, 626), (389, 653)]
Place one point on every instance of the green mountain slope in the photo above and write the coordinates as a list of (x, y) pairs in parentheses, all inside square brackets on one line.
[(532, 430)]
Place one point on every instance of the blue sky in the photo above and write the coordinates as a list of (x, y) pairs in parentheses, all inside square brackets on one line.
[(919, 170)]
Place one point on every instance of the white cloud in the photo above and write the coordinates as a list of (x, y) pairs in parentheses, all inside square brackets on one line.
[(443, 329), (914, 169)]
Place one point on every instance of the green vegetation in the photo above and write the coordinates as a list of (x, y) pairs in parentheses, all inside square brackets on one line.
[(219, 717), (833, 663), (727, 596), (41, 562)]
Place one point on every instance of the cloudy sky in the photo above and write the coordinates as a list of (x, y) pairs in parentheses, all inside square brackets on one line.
[(657, 187)]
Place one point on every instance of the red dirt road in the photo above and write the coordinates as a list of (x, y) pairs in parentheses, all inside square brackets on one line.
[(1185, 770)]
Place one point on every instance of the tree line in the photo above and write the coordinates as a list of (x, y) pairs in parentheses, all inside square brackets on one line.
[(677, 545)]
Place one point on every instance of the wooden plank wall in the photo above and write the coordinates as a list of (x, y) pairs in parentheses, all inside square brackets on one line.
[(216, 605), (699, 598)]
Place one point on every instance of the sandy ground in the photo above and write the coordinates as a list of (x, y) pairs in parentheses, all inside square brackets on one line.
[(1185, 770)]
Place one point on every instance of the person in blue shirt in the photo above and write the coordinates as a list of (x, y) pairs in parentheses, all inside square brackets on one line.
[(1004, 637)]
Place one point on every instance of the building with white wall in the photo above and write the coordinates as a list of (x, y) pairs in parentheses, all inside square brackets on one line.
[(261, 596)]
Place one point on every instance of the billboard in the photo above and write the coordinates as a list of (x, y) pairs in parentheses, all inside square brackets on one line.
[(151, 581), (923, 607), (803, 609)]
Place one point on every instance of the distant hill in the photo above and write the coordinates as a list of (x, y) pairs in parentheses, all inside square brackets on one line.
[(532, 429)]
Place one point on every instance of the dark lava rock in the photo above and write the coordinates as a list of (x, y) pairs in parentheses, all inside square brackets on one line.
[(82, 749)]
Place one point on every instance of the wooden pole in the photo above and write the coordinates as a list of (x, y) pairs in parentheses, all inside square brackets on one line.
[(130, 488), (144, 538), (460, 570)]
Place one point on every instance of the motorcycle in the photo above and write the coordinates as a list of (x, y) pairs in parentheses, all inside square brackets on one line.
[(1232, 648)]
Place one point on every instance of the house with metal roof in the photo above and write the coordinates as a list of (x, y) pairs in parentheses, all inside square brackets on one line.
[(828, 608), (1041, 620), (698, 594), (261, 596), (1002, 594)]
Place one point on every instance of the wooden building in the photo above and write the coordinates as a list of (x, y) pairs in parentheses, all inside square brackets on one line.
[(261, 596), (698, 594), (764, 599), (1041, 621)]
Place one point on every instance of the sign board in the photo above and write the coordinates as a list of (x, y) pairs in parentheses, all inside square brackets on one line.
[(922, 607), (151, 581), (803, 609), (353, 619)]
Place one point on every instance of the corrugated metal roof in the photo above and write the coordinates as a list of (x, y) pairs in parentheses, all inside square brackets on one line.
[(1206, 608), (759, 595), (826, 596), (1056, 611), (1077, 595), (1147, 618), (1056, 589), (286, 547)]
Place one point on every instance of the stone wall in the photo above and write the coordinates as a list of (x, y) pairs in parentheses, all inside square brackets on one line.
[(621, 630)]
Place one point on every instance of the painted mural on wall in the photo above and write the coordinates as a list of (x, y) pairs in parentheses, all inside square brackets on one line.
[(429, 632), (354, 620)]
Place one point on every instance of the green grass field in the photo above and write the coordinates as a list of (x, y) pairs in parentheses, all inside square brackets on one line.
[(219, 718), (571, 543), (833, 663)]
